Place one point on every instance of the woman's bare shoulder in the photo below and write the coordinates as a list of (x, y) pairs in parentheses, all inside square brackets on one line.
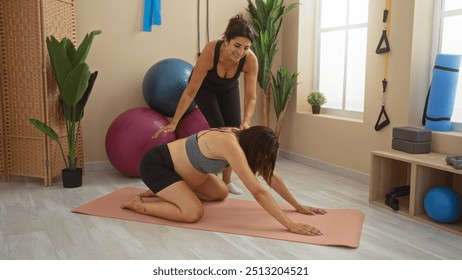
[(210, 46), (205, 60), (221, 137), (251, 63)]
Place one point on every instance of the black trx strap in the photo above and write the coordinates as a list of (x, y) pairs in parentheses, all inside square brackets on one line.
[(198, 28), (199, 50), (383, 39), (379, 125), (384, 85), (391, 199)]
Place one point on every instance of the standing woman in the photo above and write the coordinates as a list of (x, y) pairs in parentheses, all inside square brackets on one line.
[(182, 175), (214, 84)]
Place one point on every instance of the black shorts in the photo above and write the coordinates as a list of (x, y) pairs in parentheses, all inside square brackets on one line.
[(157, 170)]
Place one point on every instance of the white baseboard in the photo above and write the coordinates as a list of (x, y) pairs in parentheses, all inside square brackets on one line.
[(98, 166), (345, 172)]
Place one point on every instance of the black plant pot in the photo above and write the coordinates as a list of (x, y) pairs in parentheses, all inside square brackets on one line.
[(316, 109), (72, 178)]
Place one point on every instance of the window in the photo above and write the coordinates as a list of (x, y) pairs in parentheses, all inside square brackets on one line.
[(341, 53), (448, 27)]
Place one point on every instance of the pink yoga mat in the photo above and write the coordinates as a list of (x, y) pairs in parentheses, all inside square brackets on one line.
[(341, 227)]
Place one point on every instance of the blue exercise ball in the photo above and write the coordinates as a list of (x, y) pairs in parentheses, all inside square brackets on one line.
[(443, 204), (164, 83)]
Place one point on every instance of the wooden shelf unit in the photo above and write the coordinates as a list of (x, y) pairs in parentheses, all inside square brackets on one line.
[(391, 168)]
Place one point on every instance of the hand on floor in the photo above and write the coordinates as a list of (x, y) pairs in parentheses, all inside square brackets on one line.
[(311, 210), (305, 229)]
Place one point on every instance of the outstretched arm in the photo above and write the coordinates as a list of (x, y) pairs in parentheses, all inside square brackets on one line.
[(236, 158), (266, 200), (278, 185)]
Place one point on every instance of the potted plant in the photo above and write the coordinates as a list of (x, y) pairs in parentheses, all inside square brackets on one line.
[(316, 99), (75, 83), (282, 86)]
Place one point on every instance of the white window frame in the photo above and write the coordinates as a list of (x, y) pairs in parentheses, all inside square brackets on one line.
[(436, 42), (338, 112)]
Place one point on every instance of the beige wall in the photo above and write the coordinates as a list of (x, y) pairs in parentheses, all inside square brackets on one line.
[(346, 142), (122, 54)]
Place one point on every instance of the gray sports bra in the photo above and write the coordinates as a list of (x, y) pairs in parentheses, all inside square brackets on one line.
[(199, 160)]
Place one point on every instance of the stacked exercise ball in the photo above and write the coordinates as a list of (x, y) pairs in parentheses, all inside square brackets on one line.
[(129, 136), (164, 83), (443, 204), (191, 123)]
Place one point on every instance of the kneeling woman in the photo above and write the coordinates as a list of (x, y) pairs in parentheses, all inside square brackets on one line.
[(182, 173)]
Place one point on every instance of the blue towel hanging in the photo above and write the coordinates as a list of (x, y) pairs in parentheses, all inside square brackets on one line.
[(439, 105), (152, 15)]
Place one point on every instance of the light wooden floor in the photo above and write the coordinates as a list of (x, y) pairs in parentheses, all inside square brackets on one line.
[(36, 223)]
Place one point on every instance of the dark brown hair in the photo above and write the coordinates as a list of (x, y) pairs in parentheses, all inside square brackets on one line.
[(260, 145), (239, 27)]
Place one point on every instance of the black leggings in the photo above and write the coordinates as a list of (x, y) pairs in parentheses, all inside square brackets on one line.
[(220, 109)]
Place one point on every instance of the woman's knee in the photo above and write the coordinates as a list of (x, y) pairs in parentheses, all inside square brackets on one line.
[(219, 189), (189, 208), (193, 214), (222, 193)]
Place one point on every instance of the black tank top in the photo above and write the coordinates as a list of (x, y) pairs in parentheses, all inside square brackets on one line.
[(214, 82)]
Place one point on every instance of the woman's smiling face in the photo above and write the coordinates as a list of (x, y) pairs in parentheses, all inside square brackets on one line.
[(238, 47)]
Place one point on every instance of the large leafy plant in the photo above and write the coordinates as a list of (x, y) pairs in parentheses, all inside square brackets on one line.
[(266, 17), (75, 83), (282, 86)]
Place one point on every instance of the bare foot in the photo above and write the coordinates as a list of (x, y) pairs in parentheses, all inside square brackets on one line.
[(147, 193), (133, 204)]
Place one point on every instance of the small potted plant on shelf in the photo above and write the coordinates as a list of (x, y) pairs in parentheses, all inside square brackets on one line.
[(75, 83), (316, 99)]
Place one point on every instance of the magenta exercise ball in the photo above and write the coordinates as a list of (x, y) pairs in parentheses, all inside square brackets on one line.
[(191, 123), (129, 137)]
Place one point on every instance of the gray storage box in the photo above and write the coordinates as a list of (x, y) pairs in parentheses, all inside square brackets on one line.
[(412, 134), (411, 147)]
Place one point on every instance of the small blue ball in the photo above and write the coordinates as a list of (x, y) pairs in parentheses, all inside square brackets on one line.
[(443, 204)]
